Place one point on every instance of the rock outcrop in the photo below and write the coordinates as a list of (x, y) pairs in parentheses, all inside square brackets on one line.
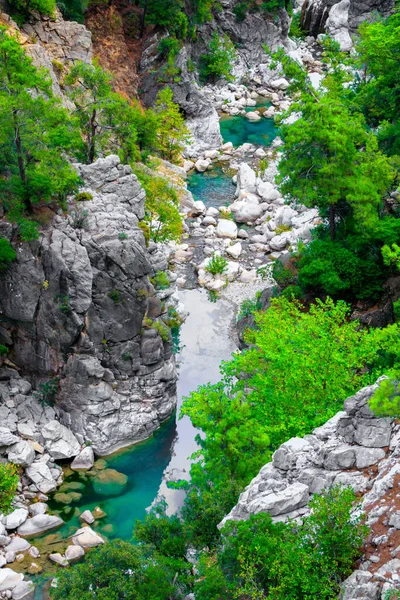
[(340, 18), (72, 307), (355, 449)]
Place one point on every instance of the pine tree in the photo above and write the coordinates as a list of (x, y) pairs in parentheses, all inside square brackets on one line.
[(172, 132), (35, 132)]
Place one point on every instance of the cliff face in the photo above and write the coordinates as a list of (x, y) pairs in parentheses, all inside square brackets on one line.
[(351, 13), (355, 449), (72, 306)]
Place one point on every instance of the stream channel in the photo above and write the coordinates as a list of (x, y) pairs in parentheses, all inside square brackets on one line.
[(205, 341)]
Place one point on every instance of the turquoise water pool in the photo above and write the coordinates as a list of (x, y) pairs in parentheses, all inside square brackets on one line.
[(240, 130), (214, 187)]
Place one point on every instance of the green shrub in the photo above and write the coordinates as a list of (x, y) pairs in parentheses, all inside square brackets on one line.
[(241, 9), (295, 30), (217, 265), (63, 304), (212, 296), (161, 329), (386, 400), (261, 559), (24, 8), (169, 47), (8, 486), (79, 219), (122, 236), (47, 392), (160, 280), (83, 196), (4, 350), (219, 59), (7, 253), (249, 307), (282, 274), (115, 296), (282, 229)]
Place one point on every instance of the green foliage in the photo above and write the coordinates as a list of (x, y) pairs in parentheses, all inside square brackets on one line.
[(73, 10), (120, 570), (165, 534), (3, 350), (35, 133), (391, 255), (218, 61), (329, 157), (115, 296), (378, 90), (168, 47), (212, 296), (172, 133), (107, 119), (23, 8), (295, 31), (386, 400), (122, 236), (8, 486), (241, 9), (217, 265), (396, 310), (260, 559), (161, 329), (7, 253), (248, 307), (83, 196), (161, 281), (162, 221), (47, 392), (167, 14), (271, 6), (79, 219), (63, 304), (282, 274), (339, 270)]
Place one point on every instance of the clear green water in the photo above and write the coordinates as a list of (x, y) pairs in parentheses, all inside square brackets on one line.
[(240, 130), (205, 342), (214, 188)]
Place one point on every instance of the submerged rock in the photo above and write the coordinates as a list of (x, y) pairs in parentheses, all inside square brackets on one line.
[(109, 482)]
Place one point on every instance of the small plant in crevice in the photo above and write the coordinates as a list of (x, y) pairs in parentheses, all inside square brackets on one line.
[(161, 329), (115, 296), (83, 197), (160, 280), (212, 295), (142, 294), (282, 229), (126, 356), (3, 350), (122, 236), (46, 392), (106, 347), (217, 265), (248, 307), (79, 219), (63, 303)]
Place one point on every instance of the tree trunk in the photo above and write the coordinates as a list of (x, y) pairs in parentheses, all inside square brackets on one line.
[(143, 20), (21, 165), (92, 138), (332, 225)]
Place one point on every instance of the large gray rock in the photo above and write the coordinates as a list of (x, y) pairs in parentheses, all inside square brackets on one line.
[(6, 437), (87, 538), (373, 433), (9, 579), (21, 453), (38, 524), (60, 441), (84, 460), (16, 518), (360, 585), (40, 474), (23, 590)]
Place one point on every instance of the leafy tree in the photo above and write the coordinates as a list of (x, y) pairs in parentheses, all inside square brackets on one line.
[(386, 400), (162, 219), (329, 158), (8, 486), (260, 559), (106, 118), (7, 253), (378, 90), (172, 133), (219, 59), (165, 534), (122, 571), (35, 131), (24, 7), (166, 14)]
